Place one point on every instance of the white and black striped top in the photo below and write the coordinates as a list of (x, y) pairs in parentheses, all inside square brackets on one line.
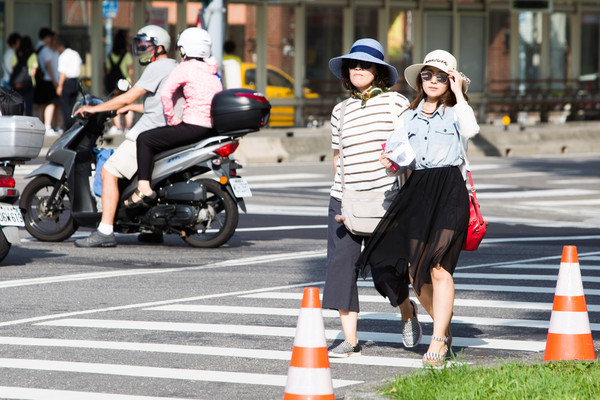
[(364, 131)]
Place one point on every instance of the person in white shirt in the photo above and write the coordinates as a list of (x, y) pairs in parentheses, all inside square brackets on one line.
[(69, 69), (13, 41), (45, 89)]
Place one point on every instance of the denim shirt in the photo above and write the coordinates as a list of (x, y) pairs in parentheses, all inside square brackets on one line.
[(434, 140)]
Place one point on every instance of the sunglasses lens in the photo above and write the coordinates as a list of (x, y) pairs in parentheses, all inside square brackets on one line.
[(355, 63), (442, 77), (426, 75)]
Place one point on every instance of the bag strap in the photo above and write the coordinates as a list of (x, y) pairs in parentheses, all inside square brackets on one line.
[(341, 145)]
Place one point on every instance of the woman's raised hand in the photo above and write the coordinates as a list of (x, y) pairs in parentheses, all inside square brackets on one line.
[(456, 81)]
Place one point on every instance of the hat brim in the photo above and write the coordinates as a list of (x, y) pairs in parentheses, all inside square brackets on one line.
[(411, 74), (335, 65)]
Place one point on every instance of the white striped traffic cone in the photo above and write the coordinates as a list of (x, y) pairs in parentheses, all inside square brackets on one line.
[(569, 335), (309, 376)]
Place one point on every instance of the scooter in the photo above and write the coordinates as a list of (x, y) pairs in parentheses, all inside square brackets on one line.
[(22, 139), (201, 210)]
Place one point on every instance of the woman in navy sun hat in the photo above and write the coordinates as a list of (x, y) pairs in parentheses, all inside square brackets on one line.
[(360, 125), (364, 50)]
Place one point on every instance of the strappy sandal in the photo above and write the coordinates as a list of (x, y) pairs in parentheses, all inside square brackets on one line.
[(129, 203), (436, 360)]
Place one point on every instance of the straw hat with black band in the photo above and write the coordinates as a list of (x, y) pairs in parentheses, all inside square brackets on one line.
[(439, 59)]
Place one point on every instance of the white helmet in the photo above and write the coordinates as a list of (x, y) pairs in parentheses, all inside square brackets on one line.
[(147, 40), (194, 43)]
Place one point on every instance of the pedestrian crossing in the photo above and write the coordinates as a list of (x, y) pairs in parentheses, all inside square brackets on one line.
[(260, 325)]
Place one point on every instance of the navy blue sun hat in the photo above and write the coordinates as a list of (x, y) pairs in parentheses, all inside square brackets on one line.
[(364, 50)]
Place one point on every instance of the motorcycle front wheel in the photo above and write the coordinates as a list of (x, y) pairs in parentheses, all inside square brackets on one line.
[(222, 218), (46, 219), (4, 246)]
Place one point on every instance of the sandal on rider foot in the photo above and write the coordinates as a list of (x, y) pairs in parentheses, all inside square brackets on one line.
[(130, 203), (436, 360)]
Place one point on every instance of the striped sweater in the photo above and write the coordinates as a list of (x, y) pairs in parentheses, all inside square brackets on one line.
[(364, 131)]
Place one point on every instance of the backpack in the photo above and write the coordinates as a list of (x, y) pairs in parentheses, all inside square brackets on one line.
[(39, 95), (114, 74), (19, 77)]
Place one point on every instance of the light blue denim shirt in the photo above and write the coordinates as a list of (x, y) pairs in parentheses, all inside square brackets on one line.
[(434, 140)]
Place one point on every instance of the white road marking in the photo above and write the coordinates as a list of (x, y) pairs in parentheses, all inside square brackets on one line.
[(379, 316), (537, 193), (11, 392), (120, 273), (258, 330), (155, 372), (201, 350), (480, 303)]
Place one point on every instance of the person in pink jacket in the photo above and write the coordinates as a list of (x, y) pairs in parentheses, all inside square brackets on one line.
[(197, 75)]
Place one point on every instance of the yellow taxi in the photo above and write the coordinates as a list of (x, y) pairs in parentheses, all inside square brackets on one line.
[(279, 86)]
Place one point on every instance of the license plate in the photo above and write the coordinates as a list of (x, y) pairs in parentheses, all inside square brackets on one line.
[(11, 216), (240, 187)]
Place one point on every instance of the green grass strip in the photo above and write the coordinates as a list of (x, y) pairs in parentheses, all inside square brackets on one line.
[(571, 380)]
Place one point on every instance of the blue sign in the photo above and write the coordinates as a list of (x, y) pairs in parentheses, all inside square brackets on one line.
[(109, 9)]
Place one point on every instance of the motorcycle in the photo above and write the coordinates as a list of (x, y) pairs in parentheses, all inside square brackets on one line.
[(201, 210), (22, 139)]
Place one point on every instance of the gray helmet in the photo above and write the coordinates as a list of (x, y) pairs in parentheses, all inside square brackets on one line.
[(146, 42)]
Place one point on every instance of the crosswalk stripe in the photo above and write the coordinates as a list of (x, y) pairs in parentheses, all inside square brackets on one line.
[(518, 277), (479, 303), (156, 372), (259, 330), (393, 317), (523, 194), (201, 350), (11, 392), (521, 267)]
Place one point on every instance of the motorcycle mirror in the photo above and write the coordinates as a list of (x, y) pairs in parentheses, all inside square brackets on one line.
[(123, 85)]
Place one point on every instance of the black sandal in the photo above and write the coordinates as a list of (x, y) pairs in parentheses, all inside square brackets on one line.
[(129, 203)]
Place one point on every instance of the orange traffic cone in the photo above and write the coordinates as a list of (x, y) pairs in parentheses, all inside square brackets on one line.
[(569, 335), (309, 376)]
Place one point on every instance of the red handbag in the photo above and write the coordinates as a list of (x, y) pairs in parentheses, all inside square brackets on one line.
[(477, 226)]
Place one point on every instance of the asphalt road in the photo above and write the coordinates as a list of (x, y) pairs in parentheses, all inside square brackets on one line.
[(173, 322)]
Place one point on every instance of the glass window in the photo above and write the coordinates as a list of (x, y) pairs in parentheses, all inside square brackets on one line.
[(365, 22), (439, 32), (498, 62), (323, 42), (472, 42), (530, 32), (590, 34), (559, 50), (400, 46)]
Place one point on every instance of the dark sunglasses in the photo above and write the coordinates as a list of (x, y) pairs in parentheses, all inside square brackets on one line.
[(441, 77), (354, 63)]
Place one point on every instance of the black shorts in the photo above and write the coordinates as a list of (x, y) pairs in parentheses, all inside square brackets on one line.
[(45, 93)]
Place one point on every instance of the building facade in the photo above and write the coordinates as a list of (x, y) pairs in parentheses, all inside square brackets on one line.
[(532, 60)]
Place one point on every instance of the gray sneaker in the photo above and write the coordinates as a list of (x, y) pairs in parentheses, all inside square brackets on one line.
[(411, 331), (344, 350), (97, 239)]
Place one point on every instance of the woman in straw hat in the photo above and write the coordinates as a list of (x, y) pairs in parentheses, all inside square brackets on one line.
[(425, 227), (367, 123)]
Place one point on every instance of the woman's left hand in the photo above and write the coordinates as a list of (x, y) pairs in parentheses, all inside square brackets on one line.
[(456, 81)]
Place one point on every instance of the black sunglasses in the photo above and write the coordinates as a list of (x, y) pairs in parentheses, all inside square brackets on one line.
[(354, 63), (441, 77)]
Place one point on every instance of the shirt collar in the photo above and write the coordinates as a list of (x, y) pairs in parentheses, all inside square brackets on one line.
[(438, 112)]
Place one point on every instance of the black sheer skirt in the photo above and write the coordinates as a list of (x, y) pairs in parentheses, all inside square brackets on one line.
[(425, 225)]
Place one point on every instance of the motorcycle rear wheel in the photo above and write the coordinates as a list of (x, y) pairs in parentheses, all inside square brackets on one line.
[(42, 222), (225, 221), (4, 246)]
